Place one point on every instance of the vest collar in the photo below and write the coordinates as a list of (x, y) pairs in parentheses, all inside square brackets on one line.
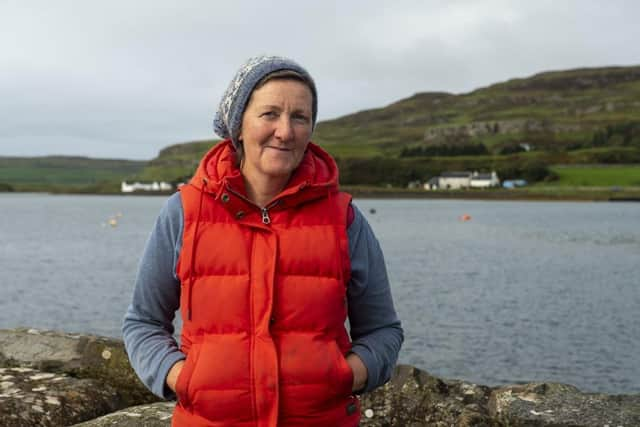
[(217, 174)]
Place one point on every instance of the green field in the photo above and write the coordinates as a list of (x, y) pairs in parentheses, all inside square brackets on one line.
[(597, 176), (36, 173)]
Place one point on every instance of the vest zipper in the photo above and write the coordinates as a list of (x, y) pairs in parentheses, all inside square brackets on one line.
[(265, 216), (265, 212), (266, 219)]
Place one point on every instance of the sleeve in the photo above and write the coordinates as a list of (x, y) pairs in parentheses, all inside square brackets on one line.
[(148, 324), (376, 331)]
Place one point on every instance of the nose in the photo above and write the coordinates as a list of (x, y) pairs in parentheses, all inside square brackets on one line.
[(284, 129)]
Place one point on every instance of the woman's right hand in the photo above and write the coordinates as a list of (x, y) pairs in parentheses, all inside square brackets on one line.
[(174, 372)]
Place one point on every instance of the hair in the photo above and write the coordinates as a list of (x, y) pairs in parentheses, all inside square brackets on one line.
[(276, 75)]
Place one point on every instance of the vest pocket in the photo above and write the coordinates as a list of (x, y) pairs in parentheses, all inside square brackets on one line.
[(344, 376), (184, 378)]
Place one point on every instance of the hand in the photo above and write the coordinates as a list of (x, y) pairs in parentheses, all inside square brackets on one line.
[(360, 373), (174, 372)]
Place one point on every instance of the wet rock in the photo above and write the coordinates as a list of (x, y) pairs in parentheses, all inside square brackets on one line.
[(29, 397), (79, 356), (151, 415), (552, 404), (415, 398)]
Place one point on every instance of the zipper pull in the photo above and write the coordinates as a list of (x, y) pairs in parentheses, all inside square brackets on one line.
[(265, 216)]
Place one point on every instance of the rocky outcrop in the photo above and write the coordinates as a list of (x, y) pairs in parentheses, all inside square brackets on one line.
[(29, 397), (549, 404), (502, 127), (415, 398), (57, 379), (151, 415)]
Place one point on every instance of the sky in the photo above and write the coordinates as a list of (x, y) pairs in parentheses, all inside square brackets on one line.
[(124, 79)]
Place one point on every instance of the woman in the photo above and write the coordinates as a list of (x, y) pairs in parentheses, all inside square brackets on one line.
[(265, 259)]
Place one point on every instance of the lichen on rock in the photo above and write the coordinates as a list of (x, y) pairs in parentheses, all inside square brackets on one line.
[(80, 356), (553, 404), (33, 398), (150, 415)]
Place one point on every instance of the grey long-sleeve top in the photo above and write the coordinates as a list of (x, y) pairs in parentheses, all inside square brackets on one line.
[(148, 329)]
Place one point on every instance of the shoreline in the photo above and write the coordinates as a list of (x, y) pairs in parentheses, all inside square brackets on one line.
[(560, 194), (595, 194)]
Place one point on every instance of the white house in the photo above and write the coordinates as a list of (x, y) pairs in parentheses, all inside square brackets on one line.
[(454, 180), (140, 186), (485, 180), (460, 180)]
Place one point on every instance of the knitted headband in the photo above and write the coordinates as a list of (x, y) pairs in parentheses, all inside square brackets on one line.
[(228, 118)]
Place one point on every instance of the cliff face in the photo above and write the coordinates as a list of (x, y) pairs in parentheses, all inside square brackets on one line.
[(57, 379)]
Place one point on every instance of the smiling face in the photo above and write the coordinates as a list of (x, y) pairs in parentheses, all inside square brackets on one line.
[(276, 128)]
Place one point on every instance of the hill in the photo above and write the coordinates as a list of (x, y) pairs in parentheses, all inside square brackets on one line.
[(67, 172), (557, 110), (585, 116), (176, 163)]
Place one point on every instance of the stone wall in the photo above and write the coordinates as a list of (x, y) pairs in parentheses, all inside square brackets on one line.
[(57, 379)]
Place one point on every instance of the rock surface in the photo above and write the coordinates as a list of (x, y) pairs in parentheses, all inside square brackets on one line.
[(415, 398), (57, 379), (550, 404), (29, 397), (151, 415), (89, 375)]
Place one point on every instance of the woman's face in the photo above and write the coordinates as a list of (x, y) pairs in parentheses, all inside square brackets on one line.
[(276, 128)]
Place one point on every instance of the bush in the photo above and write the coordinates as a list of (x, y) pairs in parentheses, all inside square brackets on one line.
[(511, 149), (622, 134), (445, 150), (529, 170), (534, 171)]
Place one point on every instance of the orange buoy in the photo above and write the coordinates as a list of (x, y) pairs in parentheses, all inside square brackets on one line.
[(465, 217)]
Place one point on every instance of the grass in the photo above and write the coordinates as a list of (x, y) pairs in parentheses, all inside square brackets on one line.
[(63, 170), (596, 176), (352, 150), (49, 175)]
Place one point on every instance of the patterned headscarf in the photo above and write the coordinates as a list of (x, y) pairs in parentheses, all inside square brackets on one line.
[(228, 118)]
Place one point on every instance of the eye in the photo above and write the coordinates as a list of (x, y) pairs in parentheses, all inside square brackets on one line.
[(301, 118), (269, 115)]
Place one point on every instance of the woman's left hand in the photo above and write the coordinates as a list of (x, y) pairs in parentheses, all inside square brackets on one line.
[(359, 372)]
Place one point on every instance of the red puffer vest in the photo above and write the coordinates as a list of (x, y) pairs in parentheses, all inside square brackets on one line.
[(263, 300)]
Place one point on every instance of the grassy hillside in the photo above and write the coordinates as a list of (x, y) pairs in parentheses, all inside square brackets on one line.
[(45, 173), (553, 109), (557, 114), (596, 176), (176, 163)]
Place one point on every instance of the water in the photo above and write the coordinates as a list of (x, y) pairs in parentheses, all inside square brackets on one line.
[(524, 291)]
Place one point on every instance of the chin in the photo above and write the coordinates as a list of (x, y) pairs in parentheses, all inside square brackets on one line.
[(280, 169), (279, 172)]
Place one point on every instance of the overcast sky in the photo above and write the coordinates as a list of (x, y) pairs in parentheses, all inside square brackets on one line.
[(123, 79)]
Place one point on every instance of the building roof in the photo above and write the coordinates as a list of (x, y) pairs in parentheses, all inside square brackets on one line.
[(455, 175), (482, 177)]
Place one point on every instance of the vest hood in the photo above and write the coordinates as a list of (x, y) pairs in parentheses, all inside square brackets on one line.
[(317, 173)]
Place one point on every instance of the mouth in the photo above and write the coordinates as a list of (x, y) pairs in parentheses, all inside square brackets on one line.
[(283, 149)]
